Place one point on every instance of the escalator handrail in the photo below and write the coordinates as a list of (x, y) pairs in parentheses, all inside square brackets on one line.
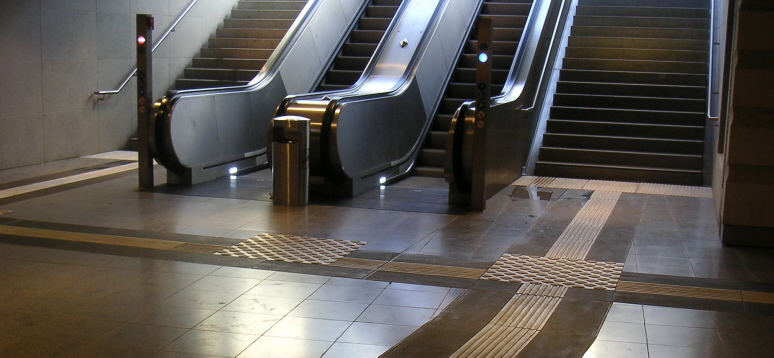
[(518, 78)]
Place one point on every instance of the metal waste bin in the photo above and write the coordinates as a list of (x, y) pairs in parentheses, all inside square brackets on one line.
[(290, 160)]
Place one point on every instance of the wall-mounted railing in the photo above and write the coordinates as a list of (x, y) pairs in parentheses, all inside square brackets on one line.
[(133, 72)]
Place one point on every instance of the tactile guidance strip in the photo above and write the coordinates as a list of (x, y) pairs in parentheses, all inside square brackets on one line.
[(591, 275), (624, 187), (290, 248)]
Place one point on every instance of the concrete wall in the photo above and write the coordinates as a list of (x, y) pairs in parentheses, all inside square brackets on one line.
[(55, 53), (747, 212)]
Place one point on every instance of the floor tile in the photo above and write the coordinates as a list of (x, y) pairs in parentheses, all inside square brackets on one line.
[(200, 299), (279, 347), (609, 349), (351, 350), (375, 334), (222, 344), (624, 312), (396, 315), (352, 294), (622, 332), (278, 306), (224, 284), (682, 336), (309, 329), (284, 289), (239, 322), (420, 299), (242, 273), (343, 311), (667, 316), (173, 316), (659, 351)]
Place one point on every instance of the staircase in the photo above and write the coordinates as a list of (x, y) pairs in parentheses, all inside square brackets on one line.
[(508, 20), (242, 45), (631, 98), (351, 61)]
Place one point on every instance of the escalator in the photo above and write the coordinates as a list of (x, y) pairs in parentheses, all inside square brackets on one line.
[(205, 133), (508, 20), (351, 61), (372, 132)]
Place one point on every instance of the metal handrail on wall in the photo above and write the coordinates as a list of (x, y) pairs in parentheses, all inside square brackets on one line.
[(133, 72)]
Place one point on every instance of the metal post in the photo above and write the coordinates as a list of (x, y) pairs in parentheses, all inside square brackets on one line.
[(483, 91), (144, 98)]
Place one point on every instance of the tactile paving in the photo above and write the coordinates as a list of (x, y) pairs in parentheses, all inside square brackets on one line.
[(290, 248), (520, 320), (624, 187), (593, 275)]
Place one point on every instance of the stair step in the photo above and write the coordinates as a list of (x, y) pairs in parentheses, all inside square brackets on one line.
[(437, 140), (432, 172), (643, 32), (637, 54), (656, 78), (701, 4), (644, 11), (618, 129), (624, 102), (250, 33), (432, 157), (632, 89), (191, 83), (619, 173), (283, 24), (604, 142), (635, 65), (636, 42), (381, 11), (628, 116), (272, 5), (253, 53), (345, 78), (228, 63), (260, 43), (220, 74), (262, 14), (621, 158), (633, 21)]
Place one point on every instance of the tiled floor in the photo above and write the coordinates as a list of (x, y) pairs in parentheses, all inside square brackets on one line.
[(96, 268)]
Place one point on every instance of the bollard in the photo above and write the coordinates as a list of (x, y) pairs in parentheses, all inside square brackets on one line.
[(290, 160)]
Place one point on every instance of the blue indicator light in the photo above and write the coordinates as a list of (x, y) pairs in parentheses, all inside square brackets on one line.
[(483, 57)]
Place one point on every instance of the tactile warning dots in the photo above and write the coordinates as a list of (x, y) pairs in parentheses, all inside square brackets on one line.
[(593, 275), (290, 248), (624, 187)]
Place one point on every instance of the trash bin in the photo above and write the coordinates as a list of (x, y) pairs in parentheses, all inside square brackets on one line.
[(290, 160)]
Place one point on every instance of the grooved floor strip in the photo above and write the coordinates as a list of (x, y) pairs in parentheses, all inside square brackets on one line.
[(24, 189), (433, 270), (91, 238), (679, 291), (291, 248), (516, 324), (356, 263), (624, 187), (576, 241)]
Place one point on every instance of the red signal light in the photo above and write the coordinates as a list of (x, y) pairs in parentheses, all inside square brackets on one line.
[(141, 40)]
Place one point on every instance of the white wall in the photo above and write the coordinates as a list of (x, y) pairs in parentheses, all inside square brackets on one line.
[(55, 53)]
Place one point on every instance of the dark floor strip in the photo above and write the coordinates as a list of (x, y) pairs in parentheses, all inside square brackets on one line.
[(442, 336), (64, 174)]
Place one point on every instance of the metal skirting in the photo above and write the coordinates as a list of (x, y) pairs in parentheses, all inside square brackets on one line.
[(290, 248), (624, 187), (516, 324), (591, 275)]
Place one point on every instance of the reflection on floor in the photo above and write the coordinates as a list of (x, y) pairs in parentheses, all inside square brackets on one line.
[(94, 267)]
